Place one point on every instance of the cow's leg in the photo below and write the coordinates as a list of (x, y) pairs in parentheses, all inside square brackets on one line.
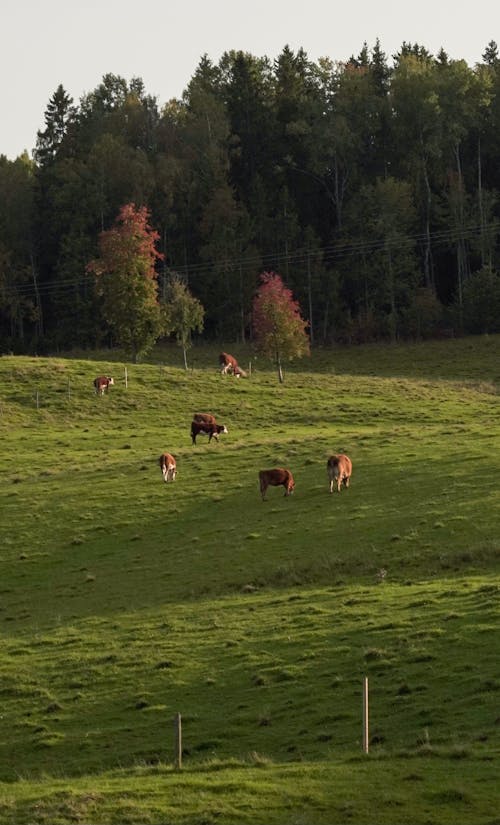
[(330, 477), (263, 488)]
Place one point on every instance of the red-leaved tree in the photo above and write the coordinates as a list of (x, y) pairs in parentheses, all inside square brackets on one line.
[(126, 280), (279, 329)]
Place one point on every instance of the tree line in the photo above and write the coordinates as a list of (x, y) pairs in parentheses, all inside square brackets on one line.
[(371, 186)]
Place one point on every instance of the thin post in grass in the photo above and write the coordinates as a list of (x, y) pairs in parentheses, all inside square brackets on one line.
[(365, 716), (249, 367), (37, 400), (126, 378), (178, 741), (69, 390)]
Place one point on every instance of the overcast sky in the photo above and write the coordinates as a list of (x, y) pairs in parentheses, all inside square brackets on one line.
[(75, 42)]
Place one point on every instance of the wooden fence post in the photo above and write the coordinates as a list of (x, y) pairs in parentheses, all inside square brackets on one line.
[(126, 378), (249, 367), (365, 716), (178, 740)]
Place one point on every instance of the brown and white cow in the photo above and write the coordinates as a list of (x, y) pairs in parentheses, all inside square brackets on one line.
[(101, 384), (339, 469), (168, 467), (204, 418), (276, 478), (230, 366), (212, 430)]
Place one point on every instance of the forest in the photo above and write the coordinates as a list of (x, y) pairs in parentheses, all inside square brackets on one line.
[(371, 186)]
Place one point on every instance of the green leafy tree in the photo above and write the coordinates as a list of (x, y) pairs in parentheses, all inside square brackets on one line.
[(418, 134), (19, 296), (479, 309), (126, 280), (383, 273), (225, 226), (183, 314), (280, 331)]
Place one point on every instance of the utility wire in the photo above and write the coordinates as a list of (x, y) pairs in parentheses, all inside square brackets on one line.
[(328, 254)]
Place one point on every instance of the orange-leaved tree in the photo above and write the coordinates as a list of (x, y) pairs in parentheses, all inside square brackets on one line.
[(279, 329), (126, 280)]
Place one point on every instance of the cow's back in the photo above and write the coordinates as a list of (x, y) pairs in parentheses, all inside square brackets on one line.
[(204, 418)]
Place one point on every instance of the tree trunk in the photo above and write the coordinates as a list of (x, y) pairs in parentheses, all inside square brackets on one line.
[(184, 352), (280, 370), (428, 273), (309, 295), (480, 204), (392, 297), (462, 259), (39, 321), (242, 307)]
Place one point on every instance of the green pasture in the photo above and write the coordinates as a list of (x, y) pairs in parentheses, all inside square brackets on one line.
[(124, 600)]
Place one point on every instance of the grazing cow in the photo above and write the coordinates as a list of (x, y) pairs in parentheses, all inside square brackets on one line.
[(229, 365), (204, 418), (101, 384), (212, 430), (339, 469), (276, 478), (168, 467)]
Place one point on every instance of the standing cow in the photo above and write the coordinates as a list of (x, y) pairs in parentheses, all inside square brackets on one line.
[(229, 365), (279, 477), (202, 428), (339, 469), (168, 467), (101, 384)]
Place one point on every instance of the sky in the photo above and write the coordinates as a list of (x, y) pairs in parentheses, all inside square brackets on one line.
[(43, 44)]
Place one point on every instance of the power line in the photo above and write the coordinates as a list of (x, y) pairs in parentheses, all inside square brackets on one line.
[(329, 254)]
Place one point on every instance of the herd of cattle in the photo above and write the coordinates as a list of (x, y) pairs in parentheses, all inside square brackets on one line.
[(339, 467)]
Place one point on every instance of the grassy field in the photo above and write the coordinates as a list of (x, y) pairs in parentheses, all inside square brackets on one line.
[(124, 600)]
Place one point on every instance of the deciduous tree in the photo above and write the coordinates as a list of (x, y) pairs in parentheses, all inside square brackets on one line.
[(280, 331), (183, 314), (126, 280)]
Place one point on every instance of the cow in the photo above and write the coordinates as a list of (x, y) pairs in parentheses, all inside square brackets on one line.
[(339, 469), (101, 384), (204, 418), (212, 430), (229, 365), (168, 467), (276, 478)]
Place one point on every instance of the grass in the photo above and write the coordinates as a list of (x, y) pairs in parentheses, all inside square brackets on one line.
[(124, 600)]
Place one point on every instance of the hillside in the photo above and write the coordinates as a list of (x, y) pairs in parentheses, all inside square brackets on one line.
[(125, 600)]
